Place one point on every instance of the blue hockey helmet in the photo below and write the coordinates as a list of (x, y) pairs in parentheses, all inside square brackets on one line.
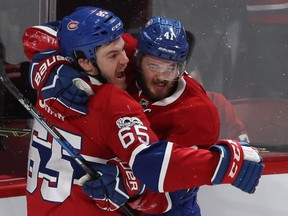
[(164, 38), (87, 28)]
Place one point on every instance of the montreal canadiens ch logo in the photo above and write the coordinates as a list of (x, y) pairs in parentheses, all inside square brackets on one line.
[(72, 26)]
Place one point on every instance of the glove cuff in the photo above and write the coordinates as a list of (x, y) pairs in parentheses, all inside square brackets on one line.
[(230, 162)]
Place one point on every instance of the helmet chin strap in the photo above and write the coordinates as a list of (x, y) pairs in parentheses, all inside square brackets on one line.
[(98, 76)]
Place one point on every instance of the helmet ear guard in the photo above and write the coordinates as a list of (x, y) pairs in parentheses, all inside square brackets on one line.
[(77, 54), (191, 41)]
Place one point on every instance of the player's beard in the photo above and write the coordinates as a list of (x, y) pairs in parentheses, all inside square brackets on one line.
[(153, 94)]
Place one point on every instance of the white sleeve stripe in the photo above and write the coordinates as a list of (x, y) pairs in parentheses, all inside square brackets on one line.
[(135, 152), (32, 69), (218, 165), (164, 167), (47, 29), (169, 202)]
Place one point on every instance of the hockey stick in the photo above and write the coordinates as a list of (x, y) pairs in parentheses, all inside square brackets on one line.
[(34, 112), (56, 135), (15, 132)]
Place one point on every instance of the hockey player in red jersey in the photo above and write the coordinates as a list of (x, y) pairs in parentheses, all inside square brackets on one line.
[(113, 126), (175, 104)]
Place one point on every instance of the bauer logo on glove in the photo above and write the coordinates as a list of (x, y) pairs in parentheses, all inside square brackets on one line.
[(116, 186)]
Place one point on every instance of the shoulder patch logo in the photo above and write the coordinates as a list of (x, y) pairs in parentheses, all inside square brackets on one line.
[(128, 122)]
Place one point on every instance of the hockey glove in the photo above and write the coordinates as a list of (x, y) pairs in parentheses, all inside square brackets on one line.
[(238, 165), (39, 38), (115, 187), (60, 85)]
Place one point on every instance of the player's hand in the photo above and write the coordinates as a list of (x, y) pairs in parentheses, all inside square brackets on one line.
[(239, 165), (63, 88), (115, 187), (39, 38), (66, 92)]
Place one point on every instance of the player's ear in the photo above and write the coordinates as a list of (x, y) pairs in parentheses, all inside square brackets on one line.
[(85, 64)]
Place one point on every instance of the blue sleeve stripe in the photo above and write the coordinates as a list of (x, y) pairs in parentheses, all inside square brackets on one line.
[(136, 152), (150, 163), (215, 178), (223, 163)]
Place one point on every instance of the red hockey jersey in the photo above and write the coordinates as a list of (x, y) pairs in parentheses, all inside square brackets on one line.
[(115, 126), (187, 117)]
